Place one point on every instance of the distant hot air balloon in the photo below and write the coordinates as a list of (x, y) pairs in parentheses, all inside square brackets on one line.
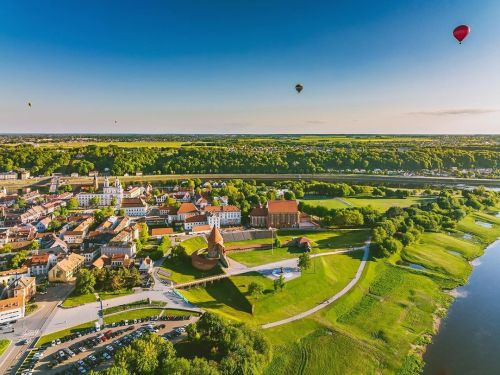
[(116, 122), (461, 32), (299, 87), (29, 104)]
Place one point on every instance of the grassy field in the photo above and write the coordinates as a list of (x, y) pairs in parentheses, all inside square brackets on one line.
[(323, 241), (182, 271), (193, 244), (142, 313), (258, 241), (4, 344), (381, 204), (133, 305), (118, 293), (68, 331), (485, 235), (230, 297), (75, 300), (386, 317)]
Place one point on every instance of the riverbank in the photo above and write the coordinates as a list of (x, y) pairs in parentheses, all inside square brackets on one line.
[(386, 322)]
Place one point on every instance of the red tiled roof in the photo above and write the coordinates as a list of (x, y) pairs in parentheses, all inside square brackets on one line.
[(196, 219), (228, 208), (275, 207), (187, 208), (258, 211), (201, 228), (161, 231)]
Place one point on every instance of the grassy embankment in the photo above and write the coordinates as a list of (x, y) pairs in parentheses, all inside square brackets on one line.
[(383, 325), (328, 274), (181, 270)]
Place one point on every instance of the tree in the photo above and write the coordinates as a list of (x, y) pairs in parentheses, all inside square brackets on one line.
[(289, 195), (21, 202), (115, 282), (72, 204), (34, 245), (143, 232), (255, 289), (7, 248), (94, 201), (279, 283), (304, 262), (114, 202), (85, 282), (18, 259)]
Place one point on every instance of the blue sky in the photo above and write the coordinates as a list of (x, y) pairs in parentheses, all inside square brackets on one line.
[(230, 66)]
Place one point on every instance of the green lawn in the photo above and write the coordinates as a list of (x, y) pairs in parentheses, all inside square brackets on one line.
[(182, 271), (323, 241), (4, 344), (75, 300), (68, 331), (142, 313), (230, 297), (486, 235), (118, 293), (258, 241), (381, 204), (374, 328), (193, 244), (134, 305)]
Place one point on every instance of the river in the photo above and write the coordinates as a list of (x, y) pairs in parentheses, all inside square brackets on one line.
[(468, 342)]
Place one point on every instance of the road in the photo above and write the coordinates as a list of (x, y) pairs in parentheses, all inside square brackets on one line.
[(352, 178), (30, 327), (330, 300)]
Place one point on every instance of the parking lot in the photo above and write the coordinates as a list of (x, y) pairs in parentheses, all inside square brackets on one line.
[(94, 350)]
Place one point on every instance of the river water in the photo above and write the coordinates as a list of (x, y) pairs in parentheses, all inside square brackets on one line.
[(468, 342)]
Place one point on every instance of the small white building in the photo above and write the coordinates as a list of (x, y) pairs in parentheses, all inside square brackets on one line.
[(134, 206)]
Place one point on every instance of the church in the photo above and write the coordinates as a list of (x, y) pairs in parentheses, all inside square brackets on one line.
[(106, 195)]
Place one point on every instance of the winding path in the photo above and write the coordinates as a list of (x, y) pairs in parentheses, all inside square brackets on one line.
[(330, 300)]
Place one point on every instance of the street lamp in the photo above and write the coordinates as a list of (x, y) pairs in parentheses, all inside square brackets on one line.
[(272, 240)]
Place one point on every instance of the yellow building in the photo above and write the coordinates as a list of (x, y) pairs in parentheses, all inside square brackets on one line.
[(65, 271)]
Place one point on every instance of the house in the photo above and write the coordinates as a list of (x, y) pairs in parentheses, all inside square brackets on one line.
[(201, 203), (201, 229), (276, 214), (52, 242), (65, 271), (228, 215), (11, 309), (160, 232), (101, 262), (134, 206), (41, 264), (133, 192), (186, 210), (31, 197), (11, 175), (4, 236), (25, 287), (73, 236), (167, 210), (122, 243), (90, 254), (146, 266), (9, 276), (121, 260), (43, 224), (194, 221)]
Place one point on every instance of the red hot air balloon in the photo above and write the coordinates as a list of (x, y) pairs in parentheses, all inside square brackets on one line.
[(461, 32)]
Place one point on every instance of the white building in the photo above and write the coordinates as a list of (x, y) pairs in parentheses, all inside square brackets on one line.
[(134, 206), (105, 196), (228, 215), (195, 221), (41, 264)]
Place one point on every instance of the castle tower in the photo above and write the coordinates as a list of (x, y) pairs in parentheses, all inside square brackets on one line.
[(117, 183), (215, 244), (106, 182)]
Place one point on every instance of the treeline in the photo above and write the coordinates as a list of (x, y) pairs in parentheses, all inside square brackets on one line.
[(268, 157), (400, 227)]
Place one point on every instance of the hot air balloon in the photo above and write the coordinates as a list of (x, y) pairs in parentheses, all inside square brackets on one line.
[(299, 87), (461, 32), (29, 104)]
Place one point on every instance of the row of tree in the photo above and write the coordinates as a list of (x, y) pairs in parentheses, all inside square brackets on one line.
[(272, 157)]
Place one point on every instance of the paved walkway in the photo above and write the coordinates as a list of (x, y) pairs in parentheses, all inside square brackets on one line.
[(330, 300)]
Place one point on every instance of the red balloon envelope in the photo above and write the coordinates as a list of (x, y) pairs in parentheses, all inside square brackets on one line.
[(461, 32)]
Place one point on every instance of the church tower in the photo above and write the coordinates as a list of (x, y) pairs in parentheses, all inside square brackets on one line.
[(96, 183)]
